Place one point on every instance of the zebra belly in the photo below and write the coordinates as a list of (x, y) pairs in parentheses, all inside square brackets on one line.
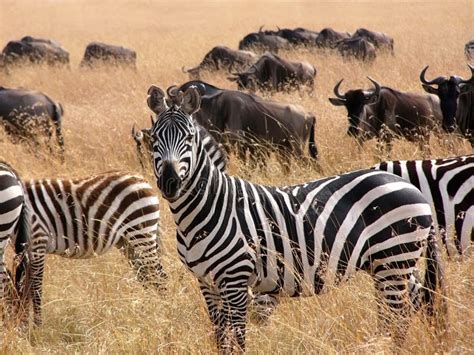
[(69, 248)]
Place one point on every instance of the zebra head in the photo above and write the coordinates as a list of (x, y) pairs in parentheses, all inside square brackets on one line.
[(174, 138)]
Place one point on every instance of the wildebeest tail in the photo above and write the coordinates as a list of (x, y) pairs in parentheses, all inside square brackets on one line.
[(313, 149)]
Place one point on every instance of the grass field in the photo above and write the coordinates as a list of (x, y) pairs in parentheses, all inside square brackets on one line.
[(96, 306)]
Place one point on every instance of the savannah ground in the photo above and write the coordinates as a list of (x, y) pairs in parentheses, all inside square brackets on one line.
[(96, 306)]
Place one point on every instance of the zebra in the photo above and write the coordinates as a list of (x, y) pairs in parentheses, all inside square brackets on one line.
[(291, 241), (216, 152), (14, 222), (448, 185), (86, 217)]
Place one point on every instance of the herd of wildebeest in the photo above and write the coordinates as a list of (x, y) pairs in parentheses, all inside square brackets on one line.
[(252, 123)]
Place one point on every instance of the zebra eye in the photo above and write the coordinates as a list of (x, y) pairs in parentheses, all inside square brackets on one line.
[(189, 138)]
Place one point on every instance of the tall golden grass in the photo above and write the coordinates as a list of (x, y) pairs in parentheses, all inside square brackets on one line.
[(96, 306)]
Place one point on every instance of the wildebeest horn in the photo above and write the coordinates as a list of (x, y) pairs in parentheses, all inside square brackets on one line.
[(336, 90), (133, 129), (184, 70), (278, 27), (252, 69), (463, 81), (376, 85), (260, 29), (436, 81)]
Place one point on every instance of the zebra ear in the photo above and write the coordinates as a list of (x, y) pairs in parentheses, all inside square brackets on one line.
[(191, 100), (156, 99)]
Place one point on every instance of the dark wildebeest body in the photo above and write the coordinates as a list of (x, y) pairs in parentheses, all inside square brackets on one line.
[(24, 113), (97, 52), (271, 72), (379, 39), (260, 41), (358, 48), (383, 112), (297, 37), (456, 97), (469, 50), (328, 38), (222, 57), (252, 123), (35, 50)]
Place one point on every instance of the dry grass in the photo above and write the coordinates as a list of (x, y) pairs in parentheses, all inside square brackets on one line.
[(95, 305)]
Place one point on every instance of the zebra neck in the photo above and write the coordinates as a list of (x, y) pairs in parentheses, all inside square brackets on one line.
[(205, 185)]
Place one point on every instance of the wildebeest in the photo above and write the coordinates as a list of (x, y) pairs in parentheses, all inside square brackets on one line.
[(456, 97), (222, 57), (299, 36), (26, 113), (272, 72), (358, 48), (469, 50), (379, 39), (34, 50), (382, 112), (259, 41), (97, 52), (328, 38), (252, 123)]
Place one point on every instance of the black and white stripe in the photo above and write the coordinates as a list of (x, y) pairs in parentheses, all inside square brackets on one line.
[(216, 152), (448, 185), (87, 217), (14, 220), (294, 241)]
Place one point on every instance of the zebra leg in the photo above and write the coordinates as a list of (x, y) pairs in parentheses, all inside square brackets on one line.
[(38, 257), (235, 299), (393, 306), (214, 308), (143, 254), (4, 277)]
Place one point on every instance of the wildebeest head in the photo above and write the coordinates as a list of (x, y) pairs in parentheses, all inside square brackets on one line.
[(448, 90), (247, 79), (355, 101)]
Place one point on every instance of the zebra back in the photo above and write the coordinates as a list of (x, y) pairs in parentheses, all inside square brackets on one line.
[(87, 216)]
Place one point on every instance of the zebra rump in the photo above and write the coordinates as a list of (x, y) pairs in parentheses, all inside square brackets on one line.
[(14, 225), (448, 186)]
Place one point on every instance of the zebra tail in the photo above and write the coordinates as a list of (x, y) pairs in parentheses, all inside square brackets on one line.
[(434, 283), (22, 249), (313, 149)]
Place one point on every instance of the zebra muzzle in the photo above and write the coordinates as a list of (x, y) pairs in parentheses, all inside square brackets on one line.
[(169, 181)]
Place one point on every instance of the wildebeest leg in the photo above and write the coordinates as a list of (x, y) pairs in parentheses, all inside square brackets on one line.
[(60, 139), (258, 156)]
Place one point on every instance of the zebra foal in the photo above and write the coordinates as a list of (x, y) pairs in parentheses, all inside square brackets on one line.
[(294, 241), (87, 217), (448, 185)]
